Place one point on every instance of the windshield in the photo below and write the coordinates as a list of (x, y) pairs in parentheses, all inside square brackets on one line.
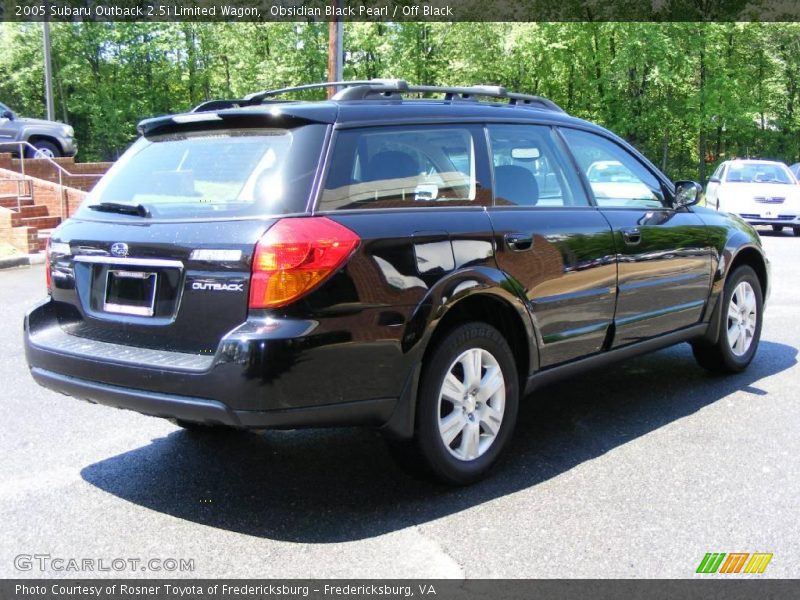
[(212, 174), (758, 173)]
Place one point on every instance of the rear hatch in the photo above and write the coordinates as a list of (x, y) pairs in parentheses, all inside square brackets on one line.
[(159, 256)]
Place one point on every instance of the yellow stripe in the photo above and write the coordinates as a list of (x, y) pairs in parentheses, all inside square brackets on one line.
[(767, 558)]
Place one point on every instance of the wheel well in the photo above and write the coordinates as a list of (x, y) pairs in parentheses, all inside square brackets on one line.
[(45, 138), (497, 313), (752, 258)]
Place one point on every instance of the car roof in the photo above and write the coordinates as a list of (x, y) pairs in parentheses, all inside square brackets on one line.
[(345, 113)]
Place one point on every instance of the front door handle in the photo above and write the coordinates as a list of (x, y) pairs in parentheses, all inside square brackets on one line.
[(519, 242), (632, 236)]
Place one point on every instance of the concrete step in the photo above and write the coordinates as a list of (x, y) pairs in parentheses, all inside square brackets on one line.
[(40, 222)]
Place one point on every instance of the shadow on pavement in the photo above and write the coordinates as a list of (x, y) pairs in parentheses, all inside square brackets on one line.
[(341, 484)]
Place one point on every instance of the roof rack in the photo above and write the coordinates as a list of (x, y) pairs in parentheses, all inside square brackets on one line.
[(388, 88)]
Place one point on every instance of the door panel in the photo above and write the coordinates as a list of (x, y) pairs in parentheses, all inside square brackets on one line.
[(664, 259), (557, 250), (664, 278)]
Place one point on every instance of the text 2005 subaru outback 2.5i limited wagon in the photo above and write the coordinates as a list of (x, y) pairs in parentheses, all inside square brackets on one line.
[(412, 264)]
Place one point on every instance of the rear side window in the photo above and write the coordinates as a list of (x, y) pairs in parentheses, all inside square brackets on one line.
[(617, 178), (528, 169), (214, 174), (396, 167)]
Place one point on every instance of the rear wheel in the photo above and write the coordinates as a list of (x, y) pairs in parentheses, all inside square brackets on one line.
[(467, 404), (742, 310), (796, 230), (777, 228)]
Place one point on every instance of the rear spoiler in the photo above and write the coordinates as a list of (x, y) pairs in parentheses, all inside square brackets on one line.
[(284, 115)]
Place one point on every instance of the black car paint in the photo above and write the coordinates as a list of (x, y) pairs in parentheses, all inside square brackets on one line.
[(350, 351)]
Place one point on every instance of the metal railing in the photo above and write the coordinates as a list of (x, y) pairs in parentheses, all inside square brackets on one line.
[(37, 155)]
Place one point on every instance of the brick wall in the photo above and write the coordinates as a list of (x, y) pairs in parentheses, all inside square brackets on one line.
[(83, 176), (50, 195)]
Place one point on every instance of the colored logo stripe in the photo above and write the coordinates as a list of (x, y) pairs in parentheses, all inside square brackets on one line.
[(758, 563), (711, 562), (734, 562)]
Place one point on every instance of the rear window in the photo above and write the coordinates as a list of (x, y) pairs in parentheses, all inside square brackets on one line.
[(213, 174), (396, 167)]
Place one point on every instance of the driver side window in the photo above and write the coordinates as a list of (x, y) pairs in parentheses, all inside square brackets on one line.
[(617, 178)]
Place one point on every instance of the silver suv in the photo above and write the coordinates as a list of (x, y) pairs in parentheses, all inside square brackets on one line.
[(49, 138)]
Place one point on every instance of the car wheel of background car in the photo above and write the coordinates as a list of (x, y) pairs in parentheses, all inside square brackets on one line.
[(467, 404), (742, 310), (796, 230), (777, 228), (44, 149)]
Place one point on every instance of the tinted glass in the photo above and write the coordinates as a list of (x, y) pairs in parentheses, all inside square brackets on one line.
[(403, 167), (214, 174), (616, 177), (528, 169)]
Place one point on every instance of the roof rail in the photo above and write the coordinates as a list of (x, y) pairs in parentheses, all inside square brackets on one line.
[(372, 88)]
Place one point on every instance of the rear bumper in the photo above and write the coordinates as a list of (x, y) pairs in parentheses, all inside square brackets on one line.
[(212, 412), (259, 377)]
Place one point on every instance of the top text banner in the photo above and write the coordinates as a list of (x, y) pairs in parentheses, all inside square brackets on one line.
[(399, 10)]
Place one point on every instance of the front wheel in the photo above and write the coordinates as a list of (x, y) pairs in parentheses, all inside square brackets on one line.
[(796, 231), (742, 311), (44, 149), (467, 404), (777, 228)]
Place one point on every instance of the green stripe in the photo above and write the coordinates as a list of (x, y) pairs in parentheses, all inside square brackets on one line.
[(710, 562), (717, 564), (701, 568)]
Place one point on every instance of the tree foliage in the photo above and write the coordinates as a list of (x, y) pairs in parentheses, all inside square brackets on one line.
[(686, 94)]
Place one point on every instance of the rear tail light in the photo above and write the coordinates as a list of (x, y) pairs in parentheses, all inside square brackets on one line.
[(47, 275), (295, 256)]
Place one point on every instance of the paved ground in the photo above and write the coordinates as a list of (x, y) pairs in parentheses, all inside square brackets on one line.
[(634, 472)]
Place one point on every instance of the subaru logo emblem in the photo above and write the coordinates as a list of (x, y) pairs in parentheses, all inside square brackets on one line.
[(119, 249)]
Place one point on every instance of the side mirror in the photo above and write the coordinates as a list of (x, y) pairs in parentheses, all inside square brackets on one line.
[(7, 114), (714, 180), (687, 193)]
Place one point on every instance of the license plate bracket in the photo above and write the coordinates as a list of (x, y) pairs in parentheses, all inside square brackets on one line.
[(130, 292)]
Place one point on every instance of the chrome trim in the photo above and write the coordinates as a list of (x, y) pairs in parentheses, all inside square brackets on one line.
[(133, 262)]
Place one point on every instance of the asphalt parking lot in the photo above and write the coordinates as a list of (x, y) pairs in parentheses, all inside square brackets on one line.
[(635, 471)]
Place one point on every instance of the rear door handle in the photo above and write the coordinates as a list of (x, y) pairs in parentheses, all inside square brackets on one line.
[(632, 236), (519, 242)]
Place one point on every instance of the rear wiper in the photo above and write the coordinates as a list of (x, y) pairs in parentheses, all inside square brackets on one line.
[(138, 210)]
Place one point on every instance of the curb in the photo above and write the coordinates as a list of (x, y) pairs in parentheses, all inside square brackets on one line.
[(23, 260)]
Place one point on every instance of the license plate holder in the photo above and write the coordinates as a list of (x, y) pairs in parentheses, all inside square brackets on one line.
[(130, 292)]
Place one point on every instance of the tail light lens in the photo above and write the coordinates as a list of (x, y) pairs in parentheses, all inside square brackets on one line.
[(48, 277), (295, 256)]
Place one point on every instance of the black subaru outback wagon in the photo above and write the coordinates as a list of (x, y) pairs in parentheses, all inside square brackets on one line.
[(418, 265)]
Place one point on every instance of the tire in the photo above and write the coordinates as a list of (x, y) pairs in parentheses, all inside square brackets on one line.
[(796, 231), (44, 148), (777, 228), (482, 408), (732, 353)]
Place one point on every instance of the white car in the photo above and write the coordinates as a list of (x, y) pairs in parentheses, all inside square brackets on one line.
[(762, 192)]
